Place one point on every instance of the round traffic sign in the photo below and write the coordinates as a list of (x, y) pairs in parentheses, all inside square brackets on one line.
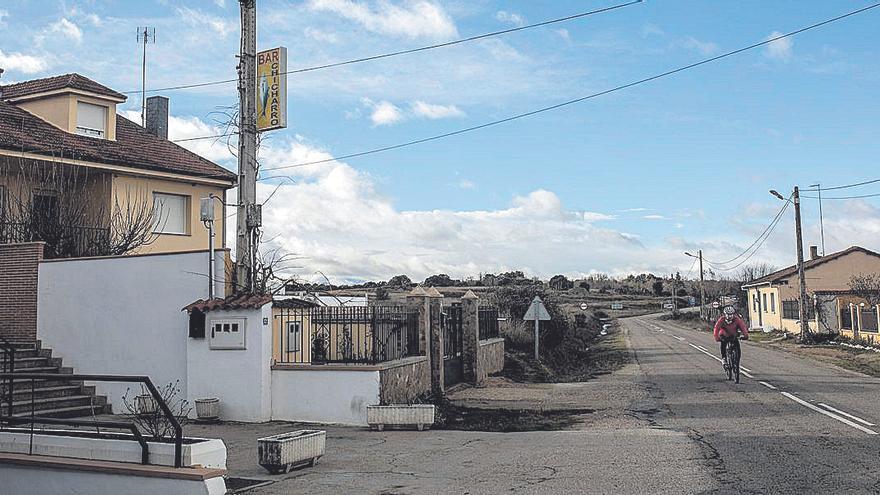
[(583, 306)]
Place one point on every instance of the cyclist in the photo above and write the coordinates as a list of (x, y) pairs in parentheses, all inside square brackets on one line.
[(726, 329)]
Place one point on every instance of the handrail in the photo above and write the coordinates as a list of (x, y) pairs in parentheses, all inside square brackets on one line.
[(145, 380), (9, 351), (145, 448)]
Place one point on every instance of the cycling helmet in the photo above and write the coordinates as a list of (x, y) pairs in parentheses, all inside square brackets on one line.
[(729, 311)]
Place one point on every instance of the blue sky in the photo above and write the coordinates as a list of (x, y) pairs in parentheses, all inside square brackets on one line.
[(621, 183)]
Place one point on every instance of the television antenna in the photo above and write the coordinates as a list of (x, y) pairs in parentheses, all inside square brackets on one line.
[(145, 35)]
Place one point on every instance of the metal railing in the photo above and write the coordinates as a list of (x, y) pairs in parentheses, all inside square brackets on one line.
[(453, 331), (488, 319), (345, 334), (74, 240), (144, 380), (8, 367)]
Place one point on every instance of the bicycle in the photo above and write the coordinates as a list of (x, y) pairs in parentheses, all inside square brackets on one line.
[(733, 355)]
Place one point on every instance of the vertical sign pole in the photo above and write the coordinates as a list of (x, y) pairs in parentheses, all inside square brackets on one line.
[(537, 327)]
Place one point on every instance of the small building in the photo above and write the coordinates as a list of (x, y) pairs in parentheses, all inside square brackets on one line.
[(89, 182), (773, 299)]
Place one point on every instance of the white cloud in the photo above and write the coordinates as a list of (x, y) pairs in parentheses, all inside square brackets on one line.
[(654, 217), (703, 47), (67, 29), (433, 112), (218, 25), (510, 18), (415, 19), (93, 19), (4, 14), (385, 113), (319, 35), (563, 33), (651, 30), (592, 216), (334, 217), (26, 64), (634, 209), (781, 49), (467, 184), (220, 3)]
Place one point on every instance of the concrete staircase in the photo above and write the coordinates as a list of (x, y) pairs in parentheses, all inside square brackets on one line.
[(48, 398)]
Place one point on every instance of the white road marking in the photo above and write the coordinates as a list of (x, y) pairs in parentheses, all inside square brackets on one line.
[(829, 414), (848, 415), (677, 337), (771, 387), (716, 358)]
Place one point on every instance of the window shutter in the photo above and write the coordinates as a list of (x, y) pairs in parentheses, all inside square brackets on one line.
[(91, 118)]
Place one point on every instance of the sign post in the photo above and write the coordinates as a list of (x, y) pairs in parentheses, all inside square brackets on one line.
[(538, 312)]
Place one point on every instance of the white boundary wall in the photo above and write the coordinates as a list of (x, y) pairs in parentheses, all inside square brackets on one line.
[(323, 396), (122, 315)]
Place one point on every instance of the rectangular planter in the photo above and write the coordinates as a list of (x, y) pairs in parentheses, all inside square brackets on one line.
[(208, 453), (279, 453), (419, 415)]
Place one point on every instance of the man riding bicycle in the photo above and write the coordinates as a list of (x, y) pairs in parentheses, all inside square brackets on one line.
[(726, 329)]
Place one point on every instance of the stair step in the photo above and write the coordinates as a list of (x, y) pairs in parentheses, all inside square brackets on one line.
[(42, 383), (68, 412), (25, 353), (39, 369), (27, 363), (44, 392), (46, 403)]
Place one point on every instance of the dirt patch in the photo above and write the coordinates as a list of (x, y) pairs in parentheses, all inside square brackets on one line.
[(505, 420), (587, 354)]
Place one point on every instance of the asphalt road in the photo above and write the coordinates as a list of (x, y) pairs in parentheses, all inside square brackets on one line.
[(793, 426)]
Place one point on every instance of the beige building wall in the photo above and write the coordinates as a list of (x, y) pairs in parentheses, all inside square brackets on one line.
[(767, 313), (134, 192), (60, 111)]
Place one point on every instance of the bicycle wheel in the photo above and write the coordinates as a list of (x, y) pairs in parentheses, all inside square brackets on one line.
[(735, 364), (729, 367)]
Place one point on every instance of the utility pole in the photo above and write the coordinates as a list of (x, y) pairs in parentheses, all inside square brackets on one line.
[(145, 35), (821, 217), (248, 215), (802, 282), (702, 283)]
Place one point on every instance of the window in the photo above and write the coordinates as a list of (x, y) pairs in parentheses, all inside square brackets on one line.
[(790, 310), (170, 213), (846, 317), (772, 302), (294, 336), (765, 302), (91, 120), (2, 204), (869, 319)]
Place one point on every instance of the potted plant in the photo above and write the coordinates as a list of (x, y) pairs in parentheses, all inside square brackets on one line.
[(420, 416), (208, 409), (279, 453)]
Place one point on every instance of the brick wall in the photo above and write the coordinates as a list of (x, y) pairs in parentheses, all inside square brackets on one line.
[(19, 264)]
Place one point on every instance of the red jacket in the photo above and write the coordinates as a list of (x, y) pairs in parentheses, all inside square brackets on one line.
[(728, 330)]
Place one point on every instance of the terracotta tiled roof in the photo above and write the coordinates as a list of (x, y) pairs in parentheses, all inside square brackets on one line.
[(293, 303), (792, 270), (243, 301), (134, 146), (74, 81)]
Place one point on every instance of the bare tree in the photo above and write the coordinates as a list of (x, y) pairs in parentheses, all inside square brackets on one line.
[(72, 211), (143, 411), (867, 287)]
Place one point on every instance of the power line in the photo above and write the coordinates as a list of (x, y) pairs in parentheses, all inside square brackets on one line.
[(583, 98), (407, 51), (760, 242), (769, 227), (847, 186), (845, 197)]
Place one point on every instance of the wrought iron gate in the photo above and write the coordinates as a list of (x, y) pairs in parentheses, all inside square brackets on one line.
[(453, 343)]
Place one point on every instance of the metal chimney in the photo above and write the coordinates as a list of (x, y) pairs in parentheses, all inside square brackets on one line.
[(157, 116)]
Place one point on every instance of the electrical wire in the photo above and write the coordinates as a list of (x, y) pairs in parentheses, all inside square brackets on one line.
[(759, 245), (844, 197), (847, 186), (404, 52), (583, 98), (740, 255)]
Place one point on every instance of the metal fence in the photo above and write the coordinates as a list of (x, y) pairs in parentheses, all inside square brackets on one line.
[(453, 331), (60, 239), (488, 322), (345, 334)]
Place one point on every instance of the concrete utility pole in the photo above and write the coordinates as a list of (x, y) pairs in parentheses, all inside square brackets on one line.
[(248, 215), (821, 217), (802, 281)]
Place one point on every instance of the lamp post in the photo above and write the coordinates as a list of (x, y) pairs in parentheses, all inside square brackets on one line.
[(821, 217), (702, 289), (802, 282)]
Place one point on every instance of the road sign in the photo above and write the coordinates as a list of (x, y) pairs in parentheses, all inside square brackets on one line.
[(716, 304), (668, 306), (583, 306), (616, 305), (539, 313)]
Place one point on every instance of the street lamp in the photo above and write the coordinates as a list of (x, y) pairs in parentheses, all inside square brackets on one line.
[(802, 282), (702, 289), (821, 218)]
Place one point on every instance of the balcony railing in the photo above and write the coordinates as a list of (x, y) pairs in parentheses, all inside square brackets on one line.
[(61, 240)]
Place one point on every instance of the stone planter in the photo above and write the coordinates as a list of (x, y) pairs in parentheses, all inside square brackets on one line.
[(208, 409), (419, 415), (279, 453), (121, 447), (146, 405)]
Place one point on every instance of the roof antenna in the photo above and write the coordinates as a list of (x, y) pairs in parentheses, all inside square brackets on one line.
[(145, 35), (1, 87)]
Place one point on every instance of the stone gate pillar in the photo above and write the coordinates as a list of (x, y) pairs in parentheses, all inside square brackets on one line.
[(470, 324), (435, 349)]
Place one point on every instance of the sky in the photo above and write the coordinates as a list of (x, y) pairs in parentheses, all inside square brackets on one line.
[(622, 183)]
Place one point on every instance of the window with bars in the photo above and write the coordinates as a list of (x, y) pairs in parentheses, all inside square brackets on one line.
[(790, 310)]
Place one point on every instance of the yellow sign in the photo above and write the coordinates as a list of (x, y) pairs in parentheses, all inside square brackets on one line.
[(272, 89)]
